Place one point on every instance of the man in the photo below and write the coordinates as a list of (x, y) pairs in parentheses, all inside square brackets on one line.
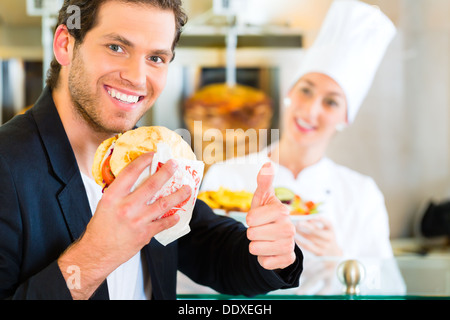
[(57, 240)]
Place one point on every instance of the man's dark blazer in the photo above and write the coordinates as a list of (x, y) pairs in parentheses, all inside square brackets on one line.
[(44, 208)]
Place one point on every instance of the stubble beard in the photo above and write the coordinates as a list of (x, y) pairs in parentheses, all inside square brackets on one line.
[(87, 103)]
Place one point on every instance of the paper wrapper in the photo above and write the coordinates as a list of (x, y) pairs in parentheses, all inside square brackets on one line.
[(189, 172)]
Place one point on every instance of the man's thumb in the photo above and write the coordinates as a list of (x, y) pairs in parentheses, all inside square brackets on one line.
[(264, 191)]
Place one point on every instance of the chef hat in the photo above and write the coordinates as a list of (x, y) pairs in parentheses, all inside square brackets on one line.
[(349, 48)]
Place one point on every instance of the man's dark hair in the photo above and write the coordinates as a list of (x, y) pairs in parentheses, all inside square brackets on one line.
[(88, 18)]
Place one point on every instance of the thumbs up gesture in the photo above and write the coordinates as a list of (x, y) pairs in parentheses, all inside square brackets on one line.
[(270, 231)]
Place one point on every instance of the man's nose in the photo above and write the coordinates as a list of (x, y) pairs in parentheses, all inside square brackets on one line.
[(135, 72)]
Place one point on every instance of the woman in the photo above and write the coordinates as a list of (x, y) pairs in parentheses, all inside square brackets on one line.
[(335, 76)]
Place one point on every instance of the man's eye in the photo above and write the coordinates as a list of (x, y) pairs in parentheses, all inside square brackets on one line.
[(156, 59), (115, 48)]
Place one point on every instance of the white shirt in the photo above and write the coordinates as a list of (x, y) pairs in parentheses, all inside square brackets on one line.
[(351, 201), (127, 281)]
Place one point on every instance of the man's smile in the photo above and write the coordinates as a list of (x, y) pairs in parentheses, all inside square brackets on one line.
[(125, 97)]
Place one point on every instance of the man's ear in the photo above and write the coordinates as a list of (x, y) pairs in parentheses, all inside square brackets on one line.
[(63, 45)]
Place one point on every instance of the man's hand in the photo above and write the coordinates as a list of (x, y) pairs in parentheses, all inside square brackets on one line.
[(122, 224), (270, 230)]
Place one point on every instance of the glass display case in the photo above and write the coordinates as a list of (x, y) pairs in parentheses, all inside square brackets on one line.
[(414, 273)]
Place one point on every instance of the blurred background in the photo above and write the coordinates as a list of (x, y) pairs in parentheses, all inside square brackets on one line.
[(401, 135)]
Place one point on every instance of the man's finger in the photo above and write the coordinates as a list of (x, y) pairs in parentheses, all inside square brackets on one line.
[(272, 231), (264, 191), (146, 190), (128, 176), (277, 262), (265, 215), (164, 223), (272, 248), (164, 204)]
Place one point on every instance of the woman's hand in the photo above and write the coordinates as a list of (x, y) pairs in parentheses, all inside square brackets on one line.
[(320, 237)]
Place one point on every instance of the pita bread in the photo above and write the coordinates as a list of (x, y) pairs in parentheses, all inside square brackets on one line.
[(133, 143)]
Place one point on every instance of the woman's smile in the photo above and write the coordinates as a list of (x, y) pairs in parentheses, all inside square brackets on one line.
[(304, 126)]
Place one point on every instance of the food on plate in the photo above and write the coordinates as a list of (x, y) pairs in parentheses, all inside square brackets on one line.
[(228, 200), (285, 195), (295, 202), (117, 152), (299, 207)]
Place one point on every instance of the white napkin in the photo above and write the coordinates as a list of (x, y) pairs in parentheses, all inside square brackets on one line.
[(189, 172)]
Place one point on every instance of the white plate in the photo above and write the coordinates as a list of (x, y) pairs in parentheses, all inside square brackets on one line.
[(297, 217), (237, 215), (220, 212), (241, 216)]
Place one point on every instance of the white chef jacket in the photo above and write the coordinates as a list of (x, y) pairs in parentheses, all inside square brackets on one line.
[(351, 201)]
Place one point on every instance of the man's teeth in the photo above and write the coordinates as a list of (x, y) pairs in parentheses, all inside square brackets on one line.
[(123, 97)]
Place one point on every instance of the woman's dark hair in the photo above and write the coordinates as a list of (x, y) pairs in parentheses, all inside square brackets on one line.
[(88, 13)]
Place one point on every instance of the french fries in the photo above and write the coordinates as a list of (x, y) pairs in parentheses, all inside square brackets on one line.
[(227, 200)]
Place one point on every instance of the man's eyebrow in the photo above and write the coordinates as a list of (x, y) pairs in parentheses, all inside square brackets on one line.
[(119, 38), (162, 52), (126, 42)]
